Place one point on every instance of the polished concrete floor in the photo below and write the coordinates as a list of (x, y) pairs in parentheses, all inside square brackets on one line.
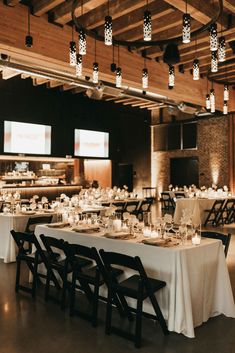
[(28, 325)]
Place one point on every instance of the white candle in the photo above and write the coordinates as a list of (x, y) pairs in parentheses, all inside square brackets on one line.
[(147, 232), (196, 240), (117, 225)]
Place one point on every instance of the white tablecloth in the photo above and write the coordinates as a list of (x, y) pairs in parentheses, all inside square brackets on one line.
[(198, 284), (7, 223), (197, 207)]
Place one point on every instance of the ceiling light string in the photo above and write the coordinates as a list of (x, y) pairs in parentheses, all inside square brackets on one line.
[(72, 50), (186, 31), (118, 73), (108, 29), (95, 75), (196, 68), (82, 37), (28, 38)]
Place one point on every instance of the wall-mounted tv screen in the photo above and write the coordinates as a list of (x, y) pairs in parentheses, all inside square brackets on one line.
[(27, 138), (89, 143)]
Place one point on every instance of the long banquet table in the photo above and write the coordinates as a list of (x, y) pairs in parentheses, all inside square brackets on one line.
[(17, 222), (198, 284), (197, 207)]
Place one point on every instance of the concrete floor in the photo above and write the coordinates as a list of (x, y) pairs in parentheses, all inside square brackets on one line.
[(33, 326)]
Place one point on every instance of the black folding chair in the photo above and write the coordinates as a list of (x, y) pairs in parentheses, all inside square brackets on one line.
[(225, 238), (33, 221), (132, 207), (145, 206), (167, 201), (137, 286), (61, 265), (25, 243), (214, 213), (227, 215), (93, 275)]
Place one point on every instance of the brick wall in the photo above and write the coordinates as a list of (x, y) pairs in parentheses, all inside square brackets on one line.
[(212, 152)]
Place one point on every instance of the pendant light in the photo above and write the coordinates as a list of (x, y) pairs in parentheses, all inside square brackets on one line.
[(226, 93), (82, 37), (212, 100), (222, 49), (208, 102), (213, 37), (186, 26), (147, 26), (79, 65), (28, 38), (196, 68), (95, 74), (171, 81), (72, 51), (214, 61), (225, 108), (108, 29), (145, 76), (113, 65), (118, 74)]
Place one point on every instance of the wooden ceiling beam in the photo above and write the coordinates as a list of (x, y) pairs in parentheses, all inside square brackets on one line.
[(9, 73), (117, 9), (135, 18), (67, 87), (229, 5), (62, 13), (50, 52), (162, 24), (200, 55), (122, 100), (40, 7), (134, 101), (53, 84), (37, 81), (201, 11)]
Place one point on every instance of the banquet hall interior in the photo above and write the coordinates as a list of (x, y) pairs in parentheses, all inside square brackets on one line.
[(117, 176)]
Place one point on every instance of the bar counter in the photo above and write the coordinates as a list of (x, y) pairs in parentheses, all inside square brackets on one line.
[(50, 191)]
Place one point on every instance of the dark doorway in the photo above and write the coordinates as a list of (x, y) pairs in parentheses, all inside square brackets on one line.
[(184, 171), (125, 176)]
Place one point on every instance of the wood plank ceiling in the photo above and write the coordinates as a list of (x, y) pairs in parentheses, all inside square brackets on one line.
[(127, 18)]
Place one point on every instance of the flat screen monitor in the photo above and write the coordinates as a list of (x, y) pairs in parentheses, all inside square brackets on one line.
[(89, 143), (27, 138)]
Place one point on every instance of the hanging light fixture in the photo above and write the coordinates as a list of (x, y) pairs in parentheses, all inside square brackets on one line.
[(225, 108), (118, 74), (213, 37), (29, 38), (214, 61), (79, 65), (208, 102), (81, 37), (221, 49), (212, 100), (186, 26), (196, 70), (145, 76), (226, 93), (108, 29), (95, 75), (171, 81), (72, 51), (147, 26)]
